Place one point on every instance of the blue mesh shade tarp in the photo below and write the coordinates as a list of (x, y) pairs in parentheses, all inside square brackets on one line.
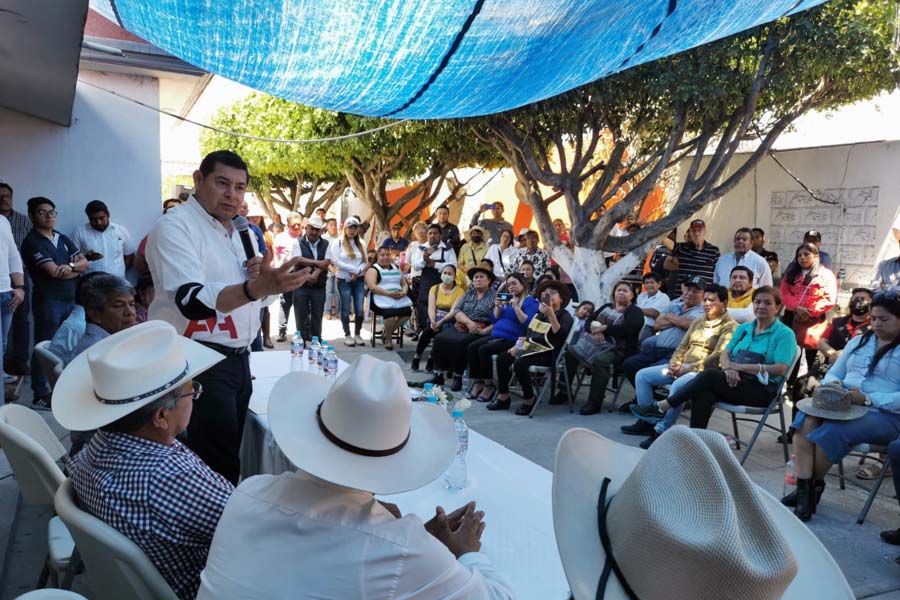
[(430, 58)]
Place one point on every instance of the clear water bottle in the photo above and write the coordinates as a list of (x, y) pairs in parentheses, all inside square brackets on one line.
[(456, 476), (320, 356), (297, 345), (330, 362), (465, 381), (520, 344), (313, 351), (790, 476)]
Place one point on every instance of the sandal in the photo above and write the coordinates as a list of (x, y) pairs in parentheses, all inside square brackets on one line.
[(483, 397), (871, 471), (471, 394)]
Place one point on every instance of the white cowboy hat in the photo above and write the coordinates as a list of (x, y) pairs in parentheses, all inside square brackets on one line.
[(128, 370), (475, 228), (685, 521), (364, 431), (316, 222)]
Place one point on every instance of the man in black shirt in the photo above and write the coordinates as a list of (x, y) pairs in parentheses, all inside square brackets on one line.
[(449, 232), (54, 263), (758, 243)]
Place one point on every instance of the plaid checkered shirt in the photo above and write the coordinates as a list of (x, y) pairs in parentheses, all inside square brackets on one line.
[(163, 498)]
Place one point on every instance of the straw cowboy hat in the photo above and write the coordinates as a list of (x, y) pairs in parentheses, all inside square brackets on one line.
[(363, 432), (475, 228), (683, 520), (124, 372), (832, 401), (316, 222)]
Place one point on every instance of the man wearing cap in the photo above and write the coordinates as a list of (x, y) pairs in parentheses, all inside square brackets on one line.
[(211, 292), (693, 257), (520, 238), (493, 226), (449, 232), (320, 532), (745, 257), (531, 253), (137, 387), (815, 238), (887, 273), (311, 251), (396, 243), (471, 253)]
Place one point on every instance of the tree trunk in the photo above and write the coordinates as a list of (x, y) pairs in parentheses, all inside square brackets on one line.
[(587, 268)]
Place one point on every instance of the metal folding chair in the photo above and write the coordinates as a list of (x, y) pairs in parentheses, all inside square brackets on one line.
[(549, 375), (776, 405), (863, 451)]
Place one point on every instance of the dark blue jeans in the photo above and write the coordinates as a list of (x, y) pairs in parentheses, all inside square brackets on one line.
[(355, 290), (48, 316)]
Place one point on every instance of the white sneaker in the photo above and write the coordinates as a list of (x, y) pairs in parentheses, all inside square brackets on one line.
[(10, 379), (359, 341), (348, 341)]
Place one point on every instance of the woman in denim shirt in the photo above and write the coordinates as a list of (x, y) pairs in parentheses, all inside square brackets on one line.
[(870, 369)]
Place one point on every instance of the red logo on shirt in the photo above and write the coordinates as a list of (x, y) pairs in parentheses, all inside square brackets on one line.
[(209, 326)]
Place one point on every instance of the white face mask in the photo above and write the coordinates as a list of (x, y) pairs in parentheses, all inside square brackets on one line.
[(447, 278), (762, 375)]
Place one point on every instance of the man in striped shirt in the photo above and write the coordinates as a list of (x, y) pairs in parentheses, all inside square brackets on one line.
[(693, 257)]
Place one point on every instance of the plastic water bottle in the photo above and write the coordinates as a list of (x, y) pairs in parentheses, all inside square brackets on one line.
[(320, 357), (457, 475), (465, 381), (790, 476), (313, 350), (297, 352), (520, 344), (428, 393), (330, 362)]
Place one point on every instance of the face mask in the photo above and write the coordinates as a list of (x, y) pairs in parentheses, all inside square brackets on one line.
[(859, 307), (477, 239), (762, 375), (447, 278)]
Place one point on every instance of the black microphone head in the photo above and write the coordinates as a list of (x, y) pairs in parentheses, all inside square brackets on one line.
[(241, 223)]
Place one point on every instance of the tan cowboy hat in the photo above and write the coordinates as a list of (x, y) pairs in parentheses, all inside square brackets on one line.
[(683, 520), (832, 401), (124, 372), (363, 432)]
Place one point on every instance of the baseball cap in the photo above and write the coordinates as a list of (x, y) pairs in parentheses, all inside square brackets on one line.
[(694, 281), (396, 226), (698, 224), (812, 233), (522, 232)]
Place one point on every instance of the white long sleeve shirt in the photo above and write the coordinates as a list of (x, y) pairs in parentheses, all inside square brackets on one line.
[(762, 274), (347, 265), (444, 255), (192, 258), (10, 259), (295, 536)]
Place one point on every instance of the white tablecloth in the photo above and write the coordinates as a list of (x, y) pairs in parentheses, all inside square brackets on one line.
[(513, 491)]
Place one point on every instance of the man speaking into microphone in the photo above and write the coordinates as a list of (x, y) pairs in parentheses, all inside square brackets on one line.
[(210, 286)]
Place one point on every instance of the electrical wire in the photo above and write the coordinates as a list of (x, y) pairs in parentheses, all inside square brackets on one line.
[(245, 136)]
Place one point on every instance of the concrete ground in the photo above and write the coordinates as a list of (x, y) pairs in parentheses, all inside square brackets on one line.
[(865, 560)]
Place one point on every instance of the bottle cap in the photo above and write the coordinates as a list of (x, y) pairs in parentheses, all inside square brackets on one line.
[(428, 387), (431, 399), (457, 414)]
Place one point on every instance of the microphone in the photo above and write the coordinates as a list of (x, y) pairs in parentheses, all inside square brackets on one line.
[(243, 228)]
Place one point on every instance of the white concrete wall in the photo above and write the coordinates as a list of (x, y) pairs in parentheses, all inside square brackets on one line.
[(110, 153), (864, 165)]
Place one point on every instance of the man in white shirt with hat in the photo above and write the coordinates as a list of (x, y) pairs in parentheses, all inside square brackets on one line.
[(137, 386), (319, 533), (211, 291)]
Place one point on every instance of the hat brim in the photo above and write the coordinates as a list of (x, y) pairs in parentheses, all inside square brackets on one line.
[(584, 458), (76, 407), (292, 416), (474, 270), (856, 411)]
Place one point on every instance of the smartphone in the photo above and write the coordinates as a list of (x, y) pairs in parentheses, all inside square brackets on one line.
[(545, 297), (490, 206), (505, 296)]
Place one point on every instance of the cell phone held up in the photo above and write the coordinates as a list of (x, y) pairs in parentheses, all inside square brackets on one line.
[(545, 298), (504, 296)]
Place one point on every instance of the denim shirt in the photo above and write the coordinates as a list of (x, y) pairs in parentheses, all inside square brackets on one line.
[(852, 368)]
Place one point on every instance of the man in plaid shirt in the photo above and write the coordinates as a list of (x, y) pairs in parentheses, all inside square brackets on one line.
[(134, 475)]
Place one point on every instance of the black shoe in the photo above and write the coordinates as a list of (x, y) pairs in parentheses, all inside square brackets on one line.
[(649, 413), (524, 409), (415, 363), (456, 386), (638, 428), (437, 379), (649, 441), (429, 365), (806, 500), (791, 499), (282, 337), (590, 409), (891, 536), (497, 404), (790, 438), (559, 398), (625, 409), (42, 402)]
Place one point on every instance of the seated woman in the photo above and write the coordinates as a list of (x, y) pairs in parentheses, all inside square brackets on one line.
[(753, 364), (613, 335), (473, 321), (441, 298), (510, 318), (389, 295), (548, 329), (869, 369), (841, 330)]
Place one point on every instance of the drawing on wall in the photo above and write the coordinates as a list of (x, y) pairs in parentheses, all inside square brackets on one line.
[(795, 212)]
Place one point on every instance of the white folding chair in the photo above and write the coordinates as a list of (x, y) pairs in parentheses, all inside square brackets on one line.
[(52, 364), (116, 566), (51, 594), (863, 451), (33, 451), (776, 405)]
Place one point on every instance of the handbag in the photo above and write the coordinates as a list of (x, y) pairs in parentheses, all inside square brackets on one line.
[(463, 329), (746, 357)]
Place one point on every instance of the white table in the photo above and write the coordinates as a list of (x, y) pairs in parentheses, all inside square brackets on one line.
[(513, 491)]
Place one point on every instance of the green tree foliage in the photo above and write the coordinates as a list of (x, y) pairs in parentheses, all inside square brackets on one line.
[(616, 137)]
